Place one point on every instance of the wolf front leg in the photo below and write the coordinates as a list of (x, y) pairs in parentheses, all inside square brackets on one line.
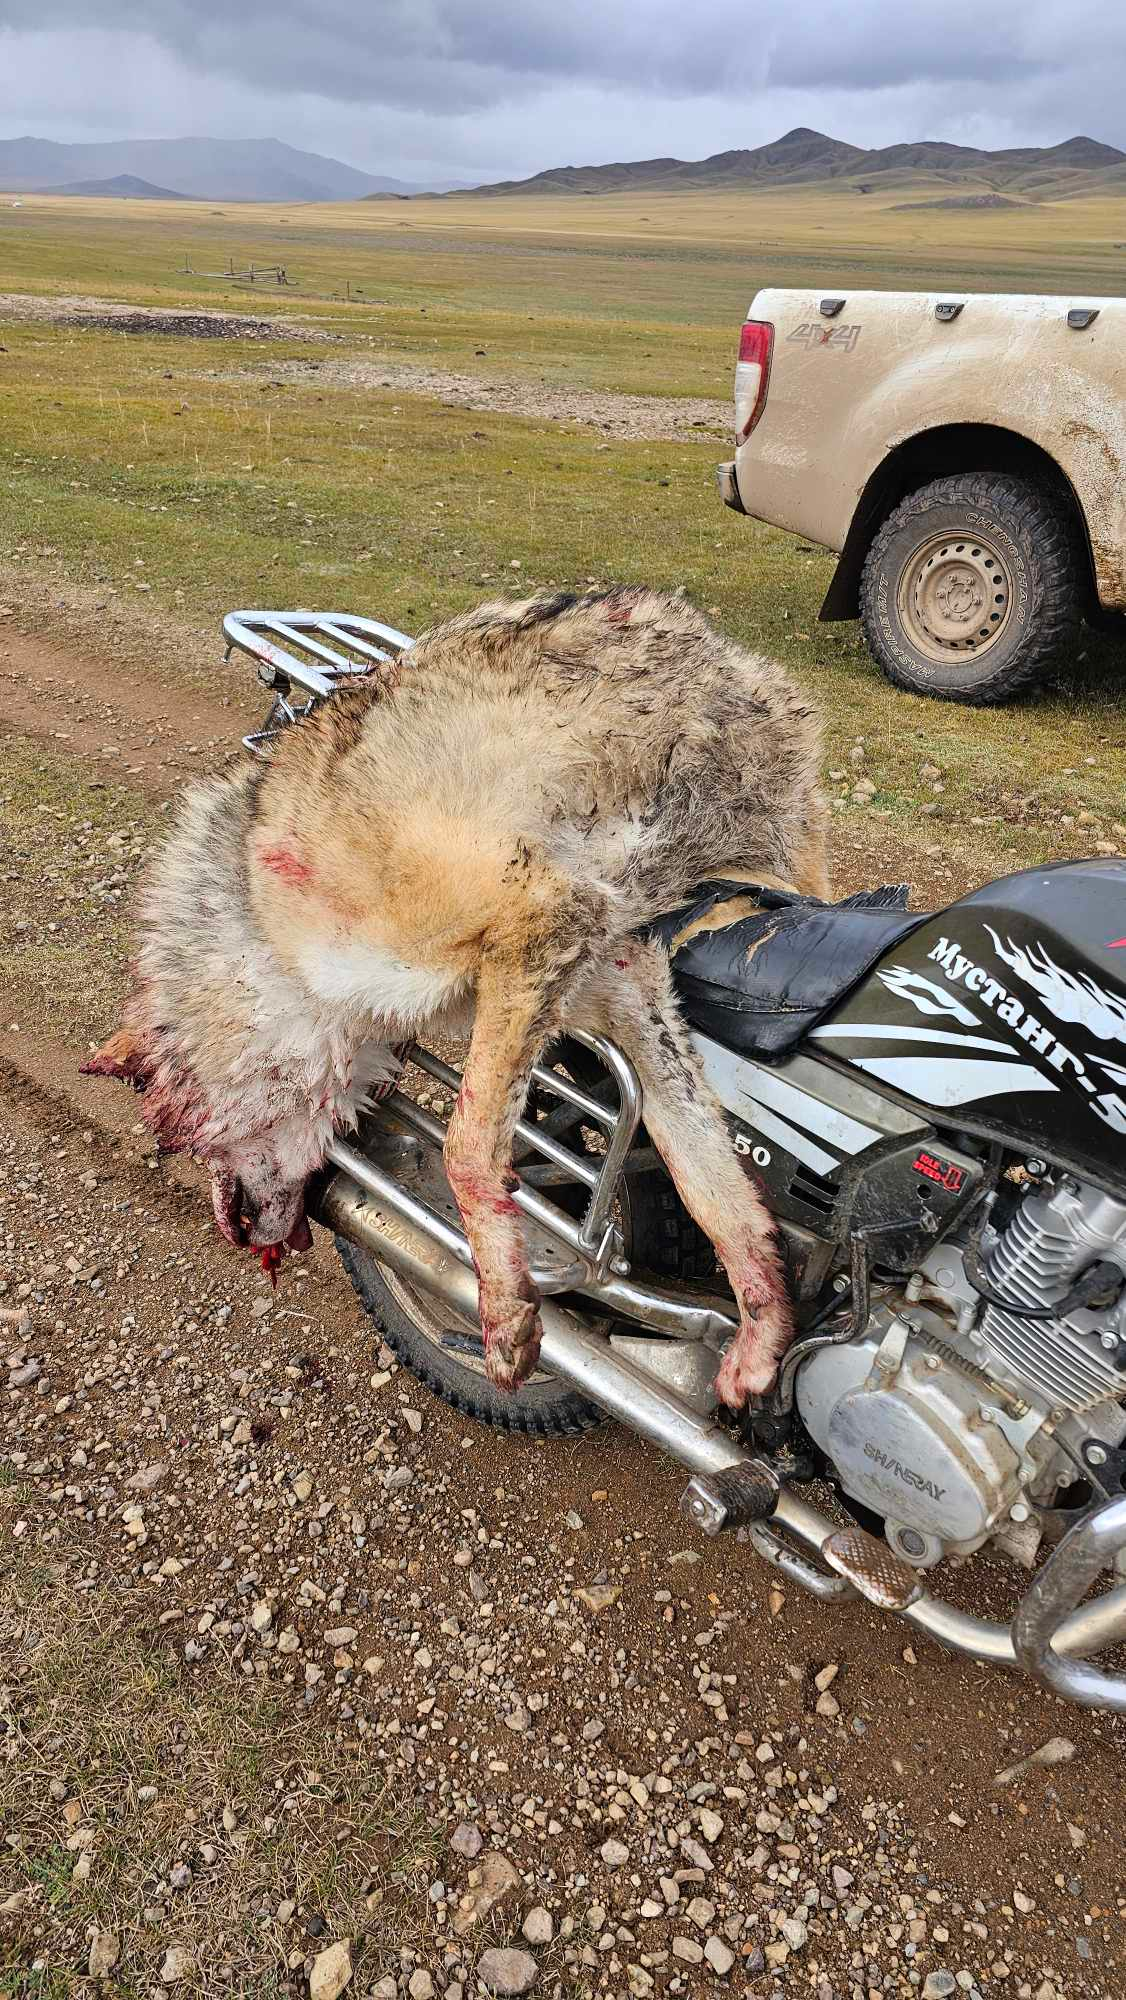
[(686, 1124), (520, 986)]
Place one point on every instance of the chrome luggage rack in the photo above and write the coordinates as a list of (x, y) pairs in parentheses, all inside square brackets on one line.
[(317, 651)]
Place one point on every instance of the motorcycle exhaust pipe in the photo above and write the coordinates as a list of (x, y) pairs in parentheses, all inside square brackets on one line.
[(1084, 1555), (568, 1350), (370, 1208)]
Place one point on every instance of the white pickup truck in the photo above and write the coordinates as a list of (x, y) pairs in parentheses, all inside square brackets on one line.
[(965, 455)]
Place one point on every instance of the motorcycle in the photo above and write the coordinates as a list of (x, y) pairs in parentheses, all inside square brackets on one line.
[(935, 1107)]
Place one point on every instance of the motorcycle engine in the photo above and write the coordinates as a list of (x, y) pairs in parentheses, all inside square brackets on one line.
[(957, 1422)]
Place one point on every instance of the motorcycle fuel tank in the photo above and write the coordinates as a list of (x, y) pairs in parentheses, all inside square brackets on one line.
[(1006, 1014)]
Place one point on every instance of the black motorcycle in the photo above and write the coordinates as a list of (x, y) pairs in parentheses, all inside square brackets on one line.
[(935, 1107)]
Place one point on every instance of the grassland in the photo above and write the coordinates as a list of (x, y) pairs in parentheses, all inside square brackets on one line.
[(556, 285), (185, 473), (147, 483), (141, 1756)]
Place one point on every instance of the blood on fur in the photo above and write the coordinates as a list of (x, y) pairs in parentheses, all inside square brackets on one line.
[(287, 866)]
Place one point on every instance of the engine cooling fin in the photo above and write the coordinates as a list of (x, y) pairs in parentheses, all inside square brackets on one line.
[(1033, 1262)]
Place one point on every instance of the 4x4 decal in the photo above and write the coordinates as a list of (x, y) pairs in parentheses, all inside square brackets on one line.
[(810, 334)]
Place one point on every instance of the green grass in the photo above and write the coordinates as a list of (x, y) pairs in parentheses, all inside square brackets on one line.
[(639, 292), (133, 465)]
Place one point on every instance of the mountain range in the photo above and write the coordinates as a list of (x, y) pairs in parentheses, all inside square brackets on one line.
[(1031, 173), (269, 170), (205, 169), (120, 187)]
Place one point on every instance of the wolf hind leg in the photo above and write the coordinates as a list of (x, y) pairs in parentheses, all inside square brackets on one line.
[(637, 1008)]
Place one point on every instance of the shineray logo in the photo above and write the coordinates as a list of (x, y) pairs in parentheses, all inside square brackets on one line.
[(976, 979), (904, 1472)]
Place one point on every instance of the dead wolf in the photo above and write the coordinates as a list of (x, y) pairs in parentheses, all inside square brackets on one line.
[(478, 836)]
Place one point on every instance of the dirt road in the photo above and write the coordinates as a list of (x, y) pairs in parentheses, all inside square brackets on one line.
[(706, 1785)]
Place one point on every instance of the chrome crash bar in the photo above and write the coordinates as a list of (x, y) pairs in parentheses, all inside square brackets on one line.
[(1052, 1632), (1085, 1553), (595, 1265)]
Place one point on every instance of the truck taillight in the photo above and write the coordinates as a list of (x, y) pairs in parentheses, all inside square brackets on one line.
[(752, 375)]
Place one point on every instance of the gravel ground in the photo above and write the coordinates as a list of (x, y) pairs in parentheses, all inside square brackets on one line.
[(560, 1744), (117, 316), (641, 1773), (619, 416)]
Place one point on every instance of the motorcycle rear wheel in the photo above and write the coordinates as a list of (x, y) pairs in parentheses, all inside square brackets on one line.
[(442, 1348)]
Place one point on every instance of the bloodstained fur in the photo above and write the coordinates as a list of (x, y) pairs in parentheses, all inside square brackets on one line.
[(286, 865)]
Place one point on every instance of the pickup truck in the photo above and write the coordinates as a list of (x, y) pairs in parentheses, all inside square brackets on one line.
[(965, 457)]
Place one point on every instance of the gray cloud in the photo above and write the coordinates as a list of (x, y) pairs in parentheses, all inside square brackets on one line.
[(492, 86)]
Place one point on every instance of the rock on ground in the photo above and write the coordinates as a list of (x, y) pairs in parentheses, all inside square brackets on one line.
[(105, 1950), (507, 1970), (488, 1885), (538, 1926), (332, 1970)]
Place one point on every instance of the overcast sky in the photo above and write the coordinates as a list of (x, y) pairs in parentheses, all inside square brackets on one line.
[(479, 89)]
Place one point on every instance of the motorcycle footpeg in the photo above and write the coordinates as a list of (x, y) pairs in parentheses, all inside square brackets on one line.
[(872, 1568), (733, 1498)]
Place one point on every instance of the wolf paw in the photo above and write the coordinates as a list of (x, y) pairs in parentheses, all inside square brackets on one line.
[(742, 1376), (751, 1362), (510, 1326)]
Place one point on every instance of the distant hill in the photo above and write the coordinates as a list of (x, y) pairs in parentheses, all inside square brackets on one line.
[(802, 157), (128, 187), (404, 192), (203, 169)]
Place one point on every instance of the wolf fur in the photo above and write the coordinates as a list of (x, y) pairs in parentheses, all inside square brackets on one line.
[(480, 835)]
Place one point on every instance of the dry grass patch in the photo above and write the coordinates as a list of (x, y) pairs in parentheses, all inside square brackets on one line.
[(71, 855), (175, 1810)]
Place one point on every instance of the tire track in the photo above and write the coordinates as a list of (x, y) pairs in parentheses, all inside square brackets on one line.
[(134, 726)]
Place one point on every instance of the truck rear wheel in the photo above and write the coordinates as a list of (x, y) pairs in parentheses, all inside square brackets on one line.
[(972, 588)]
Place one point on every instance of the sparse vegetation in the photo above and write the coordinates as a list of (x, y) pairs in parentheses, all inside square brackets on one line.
[(138, 1801), (195, 475), (148, 484)]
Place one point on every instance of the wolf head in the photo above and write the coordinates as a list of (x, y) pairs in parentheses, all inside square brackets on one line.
[(256, 1200), (260, 1144)]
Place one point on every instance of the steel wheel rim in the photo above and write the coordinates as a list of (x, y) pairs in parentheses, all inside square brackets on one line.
[(955, 598)]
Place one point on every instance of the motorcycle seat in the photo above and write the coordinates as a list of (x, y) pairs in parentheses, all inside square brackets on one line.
[(759, 983)]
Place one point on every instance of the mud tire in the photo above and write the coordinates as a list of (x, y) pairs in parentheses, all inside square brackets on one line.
[(1029, 532), (537, 1410)]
